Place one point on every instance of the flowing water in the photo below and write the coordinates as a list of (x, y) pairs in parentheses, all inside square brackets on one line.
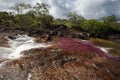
[(13, 67), (19, 44), (22, 43)]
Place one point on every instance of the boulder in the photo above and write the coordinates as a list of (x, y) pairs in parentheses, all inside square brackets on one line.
[(39, 40), (11, 37), (82, 35), (3, 42)]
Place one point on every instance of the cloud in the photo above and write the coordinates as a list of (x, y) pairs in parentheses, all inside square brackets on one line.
[(97, 8), (86, 8), (60, 8)]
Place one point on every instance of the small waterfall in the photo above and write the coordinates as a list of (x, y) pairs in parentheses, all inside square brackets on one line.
[(22, 43), (14, 44), (19, 44)]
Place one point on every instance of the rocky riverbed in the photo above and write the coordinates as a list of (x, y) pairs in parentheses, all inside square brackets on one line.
[(24, 57)]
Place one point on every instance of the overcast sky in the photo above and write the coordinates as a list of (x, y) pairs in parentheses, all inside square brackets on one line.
[(86, 8)]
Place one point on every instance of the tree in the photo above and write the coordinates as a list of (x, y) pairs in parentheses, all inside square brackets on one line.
[(16, 8), (41, 8), (20, 7), (109, 19), (94, 27), (62, 22), (23, 7), (45, 20), (76, 20), (42, 15), (31, 13), (74, 17)]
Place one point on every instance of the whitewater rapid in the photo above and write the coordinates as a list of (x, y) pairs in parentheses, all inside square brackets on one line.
[(23, 43), (19, 44)]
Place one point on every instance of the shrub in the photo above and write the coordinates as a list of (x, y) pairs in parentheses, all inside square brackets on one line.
[(94, 27)]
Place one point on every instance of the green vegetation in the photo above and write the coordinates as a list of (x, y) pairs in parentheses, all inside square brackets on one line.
[(94, 27), (114, 46), (37, 16)]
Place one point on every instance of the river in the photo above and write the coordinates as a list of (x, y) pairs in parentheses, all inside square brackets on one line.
[(47, 62), (19, 44)]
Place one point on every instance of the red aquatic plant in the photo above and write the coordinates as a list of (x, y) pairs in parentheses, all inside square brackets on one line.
[(82, 47)]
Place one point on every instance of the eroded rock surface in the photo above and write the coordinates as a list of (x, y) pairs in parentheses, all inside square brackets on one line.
[(65, 60), (55, 64)]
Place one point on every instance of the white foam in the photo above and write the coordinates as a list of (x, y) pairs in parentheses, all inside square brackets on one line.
[(29, 76), (24, 47), (104, 49), (18, 45)]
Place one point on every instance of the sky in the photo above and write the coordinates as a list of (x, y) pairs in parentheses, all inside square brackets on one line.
[(90, 9)]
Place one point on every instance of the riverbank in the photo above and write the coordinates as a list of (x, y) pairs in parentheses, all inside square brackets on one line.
[(58, 30)]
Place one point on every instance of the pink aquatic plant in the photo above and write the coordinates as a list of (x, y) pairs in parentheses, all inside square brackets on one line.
[(79, 46)]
